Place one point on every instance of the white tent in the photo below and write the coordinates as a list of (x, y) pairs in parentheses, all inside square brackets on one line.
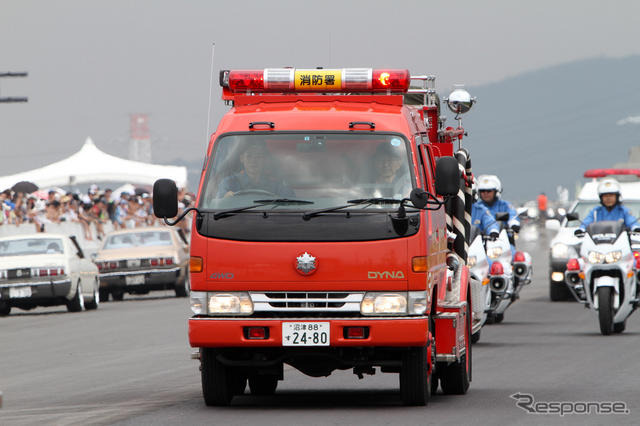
[(90, 165)]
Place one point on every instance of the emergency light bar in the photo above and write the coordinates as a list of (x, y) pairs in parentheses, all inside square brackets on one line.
[(316, 80), (600, 173)]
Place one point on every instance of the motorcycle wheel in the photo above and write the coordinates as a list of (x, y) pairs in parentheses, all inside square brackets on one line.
[(558, 291), (499, 318), (605, 310), (619, 327), (475, 337)]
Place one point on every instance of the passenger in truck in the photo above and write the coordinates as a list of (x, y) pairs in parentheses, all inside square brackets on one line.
[(390, 175)]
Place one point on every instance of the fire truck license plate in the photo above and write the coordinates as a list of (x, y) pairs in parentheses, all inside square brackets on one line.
[(305, 334), (134, 279)]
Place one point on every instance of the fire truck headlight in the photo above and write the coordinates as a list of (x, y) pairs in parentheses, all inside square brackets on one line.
[(384, 304), (198, 302), (230, 303)]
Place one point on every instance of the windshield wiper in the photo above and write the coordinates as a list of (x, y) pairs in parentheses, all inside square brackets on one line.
[(283, 201), (262, 203), (379, 200)]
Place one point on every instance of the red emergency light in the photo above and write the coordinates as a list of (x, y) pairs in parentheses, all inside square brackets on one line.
[(600, 173), (496, 269), (573, 265), (292, 80)]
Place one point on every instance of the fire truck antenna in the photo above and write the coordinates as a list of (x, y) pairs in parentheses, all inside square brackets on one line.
[(213, 48)]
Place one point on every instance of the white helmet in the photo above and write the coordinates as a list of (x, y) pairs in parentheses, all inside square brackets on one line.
[(489, 183), (609, 186)]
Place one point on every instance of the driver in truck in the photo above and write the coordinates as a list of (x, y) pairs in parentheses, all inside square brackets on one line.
[(256, 174), (611, 208)]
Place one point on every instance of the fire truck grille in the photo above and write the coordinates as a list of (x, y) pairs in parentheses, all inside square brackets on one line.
[(306, 302)]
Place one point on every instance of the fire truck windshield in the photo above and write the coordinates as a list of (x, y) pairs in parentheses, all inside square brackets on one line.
[(323, 169)]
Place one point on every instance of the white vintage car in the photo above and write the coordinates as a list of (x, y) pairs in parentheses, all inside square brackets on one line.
[(46, 270), (138, 260)]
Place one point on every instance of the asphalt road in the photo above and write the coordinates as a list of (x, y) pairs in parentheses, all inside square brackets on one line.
[(128, 363)]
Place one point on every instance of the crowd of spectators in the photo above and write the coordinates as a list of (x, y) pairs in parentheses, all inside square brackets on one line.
[(92, 210)]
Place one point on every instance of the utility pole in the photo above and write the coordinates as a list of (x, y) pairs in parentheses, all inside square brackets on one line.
[(13, 99)]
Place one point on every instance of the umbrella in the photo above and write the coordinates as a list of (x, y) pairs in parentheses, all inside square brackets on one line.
[(24, 186)]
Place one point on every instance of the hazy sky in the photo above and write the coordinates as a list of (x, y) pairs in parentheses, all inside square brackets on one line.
[(91, 63)]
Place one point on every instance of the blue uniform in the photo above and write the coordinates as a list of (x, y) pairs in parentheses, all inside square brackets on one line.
[(482, 218), (499, 206), (618, 212)]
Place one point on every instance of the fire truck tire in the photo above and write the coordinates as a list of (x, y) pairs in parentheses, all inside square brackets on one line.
[(605, 310), (455, 377), (77, 303), (5, 309), (182, 287), (117, 295), (104, 295), (499, 318), (219, 382), (263, 385), (558, 292), (415, 381)]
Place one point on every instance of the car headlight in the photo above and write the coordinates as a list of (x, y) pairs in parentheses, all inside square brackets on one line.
[(494, 252), (560, 251), (384, 304), (232, 303), (471, 261), (595, 257), (613, 256)]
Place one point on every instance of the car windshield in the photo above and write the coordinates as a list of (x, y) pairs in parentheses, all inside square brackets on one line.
[(27, 246), (584, 207), (138, 239), (322, 169)]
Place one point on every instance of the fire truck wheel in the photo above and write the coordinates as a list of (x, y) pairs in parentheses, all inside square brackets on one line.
[(263, 385), (558, 292), (415, 381), (104, 295), (219, 382), (5, 309), (499, 318), (117, 295), (182, 288)]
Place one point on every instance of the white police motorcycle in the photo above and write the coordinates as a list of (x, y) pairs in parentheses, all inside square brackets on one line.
[(507, 274), (605, 278), (478, 265)]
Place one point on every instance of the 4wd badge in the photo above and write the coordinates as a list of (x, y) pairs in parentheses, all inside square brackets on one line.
[(306, 264)]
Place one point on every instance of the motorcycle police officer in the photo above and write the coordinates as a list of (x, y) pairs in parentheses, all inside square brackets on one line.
[(490, 188), (611, 208)]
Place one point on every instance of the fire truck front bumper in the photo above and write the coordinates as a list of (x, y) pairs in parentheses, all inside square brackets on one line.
[(216, 332)]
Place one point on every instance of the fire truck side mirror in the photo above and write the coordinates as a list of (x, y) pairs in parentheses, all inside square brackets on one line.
[(165, 198), (418, 198), (447, 176)]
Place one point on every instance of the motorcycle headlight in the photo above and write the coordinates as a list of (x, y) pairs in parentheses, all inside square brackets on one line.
[(230, 303), (613, 256), (471, 261), (560, 251), (595, 257), (384, 304), (494, 252)]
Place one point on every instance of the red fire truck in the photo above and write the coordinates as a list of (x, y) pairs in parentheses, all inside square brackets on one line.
[(330, 233)]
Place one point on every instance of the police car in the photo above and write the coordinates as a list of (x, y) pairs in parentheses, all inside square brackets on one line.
[(565, 244)]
